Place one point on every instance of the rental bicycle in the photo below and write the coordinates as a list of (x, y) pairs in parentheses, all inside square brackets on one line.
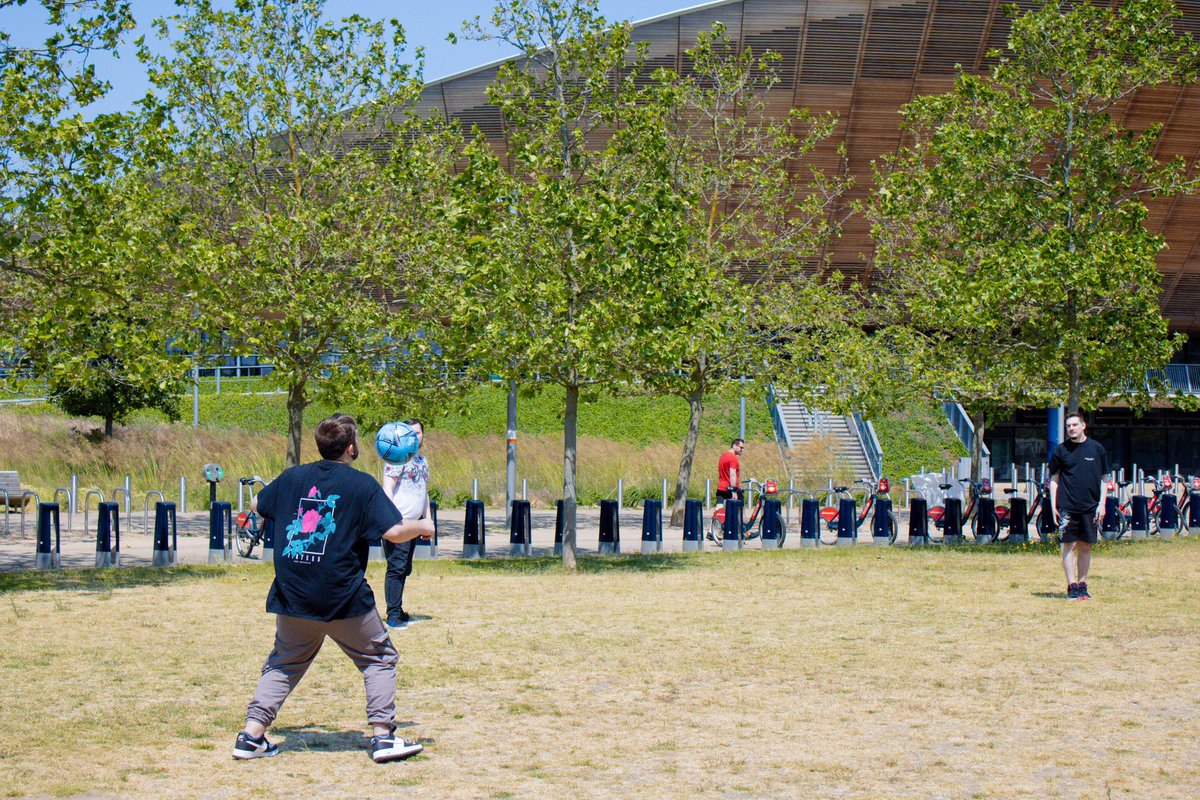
[(875, 491), (751, 528), (249, 533)]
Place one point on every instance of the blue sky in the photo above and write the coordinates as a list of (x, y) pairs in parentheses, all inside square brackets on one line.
[(426, 22)]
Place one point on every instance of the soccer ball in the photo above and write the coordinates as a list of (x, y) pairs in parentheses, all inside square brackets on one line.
[(395, 442)]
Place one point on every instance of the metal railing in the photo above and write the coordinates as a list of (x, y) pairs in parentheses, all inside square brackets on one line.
[(865, 432), (964, 429), (1179, 378), (776, 407)]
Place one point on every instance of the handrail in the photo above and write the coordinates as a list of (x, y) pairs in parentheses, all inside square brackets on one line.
[(782, 437), (869, 443), (963, 427), (5, 493)]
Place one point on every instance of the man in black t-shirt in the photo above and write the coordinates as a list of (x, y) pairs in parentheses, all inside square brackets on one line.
[(329, 514), (1078, 468)]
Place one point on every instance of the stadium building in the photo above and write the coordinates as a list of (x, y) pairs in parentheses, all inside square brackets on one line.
[(863, 60)]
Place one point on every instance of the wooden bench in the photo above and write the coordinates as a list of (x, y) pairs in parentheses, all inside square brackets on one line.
[(10, 482)]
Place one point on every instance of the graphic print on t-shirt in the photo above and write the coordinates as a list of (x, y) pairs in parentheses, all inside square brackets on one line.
[(308, 533)]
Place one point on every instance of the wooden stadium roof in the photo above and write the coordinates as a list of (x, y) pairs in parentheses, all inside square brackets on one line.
[(863, 60)]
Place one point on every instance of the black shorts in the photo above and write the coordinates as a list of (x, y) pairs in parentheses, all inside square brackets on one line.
[(1079, 526), (727, 494)]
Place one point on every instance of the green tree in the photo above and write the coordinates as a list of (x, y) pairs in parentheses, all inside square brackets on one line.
[(295, 241), (79, 234), (750, 204), (1011, 229), (572, 263)]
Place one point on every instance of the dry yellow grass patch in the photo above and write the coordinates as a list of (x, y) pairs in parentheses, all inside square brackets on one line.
[(841, 673)]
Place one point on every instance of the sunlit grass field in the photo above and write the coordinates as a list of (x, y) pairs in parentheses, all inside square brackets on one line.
[(849, 673)]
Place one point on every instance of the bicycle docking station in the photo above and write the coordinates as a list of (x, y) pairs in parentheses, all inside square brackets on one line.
[(881, 523), (520, 536), (166, 535), (952, 521), (772, 511), (220, 532), (1111, 529), (985, 521), (108, 535), (731, 528), (1018, 520), (220, 519), (1193, 515), (652, 512), (1139, 517), (1168, 515), (48, 556), (810, 522), (847, 529), (610, 527), (474, 531), (918, 520), (693, 518), (559, 507), (425, 549)]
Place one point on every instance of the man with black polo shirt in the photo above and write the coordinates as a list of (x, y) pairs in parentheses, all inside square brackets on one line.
[(1078, 467), (329, 514)]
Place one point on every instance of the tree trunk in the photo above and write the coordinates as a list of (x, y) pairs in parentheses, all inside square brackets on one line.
[(684, 480), (570, 418), (108, 427), (979, 420), (1073, 388), (295, 408)]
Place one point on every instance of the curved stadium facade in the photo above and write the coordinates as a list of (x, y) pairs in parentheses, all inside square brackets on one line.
[(863, 60)]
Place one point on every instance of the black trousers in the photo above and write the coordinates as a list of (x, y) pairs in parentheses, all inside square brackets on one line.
[(399, 567)]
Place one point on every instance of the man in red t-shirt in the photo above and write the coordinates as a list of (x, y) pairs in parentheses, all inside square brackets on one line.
[(729, 471)]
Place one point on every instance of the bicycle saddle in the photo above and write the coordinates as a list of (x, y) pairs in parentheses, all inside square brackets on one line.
[(841, 488), (944, 486), (1123, 484), (1011, 491)]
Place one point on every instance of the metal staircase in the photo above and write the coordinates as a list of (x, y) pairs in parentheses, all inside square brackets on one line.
[(851, 438)]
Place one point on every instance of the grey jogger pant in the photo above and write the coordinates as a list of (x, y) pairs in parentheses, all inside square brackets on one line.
[(297, 642)]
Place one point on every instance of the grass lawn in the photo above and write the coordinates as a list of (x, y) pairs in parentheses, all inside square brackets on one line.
[(850, 673)]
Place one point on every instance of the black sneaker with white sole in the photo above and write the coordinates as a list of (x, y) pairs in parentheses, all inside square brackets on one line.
[(247, 746), (391, 748)]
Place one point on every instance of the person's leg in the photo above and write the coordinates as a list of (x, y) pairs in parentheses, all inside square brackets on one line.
[(393, 580), (1070, 565), (408, 548), (1083, 559), (297, 642), (366, 642)]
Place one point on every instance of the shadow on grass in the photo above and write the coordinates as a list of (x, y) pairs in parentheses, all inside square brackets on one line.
[(308, 737), (540, 565), (105, 580)]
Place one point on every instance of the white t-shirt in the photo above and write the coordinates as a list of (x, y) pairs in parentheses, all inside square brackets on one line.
[(412, 486)]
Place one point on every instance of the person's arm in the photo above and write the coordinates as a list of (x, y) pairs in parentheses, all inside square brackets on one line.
[(409, 529), (735, 484), (389, 483), (1054, 496), (1103, 498)]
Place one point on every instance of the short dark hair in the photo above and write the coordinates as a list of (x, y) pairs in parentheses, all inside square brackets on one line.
[(334, 434), (1074, 414), (737, 441), (414, 421)]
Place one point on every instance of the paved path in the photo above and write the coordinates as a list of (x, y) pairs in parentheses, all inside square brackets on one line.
[(18, 551)]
